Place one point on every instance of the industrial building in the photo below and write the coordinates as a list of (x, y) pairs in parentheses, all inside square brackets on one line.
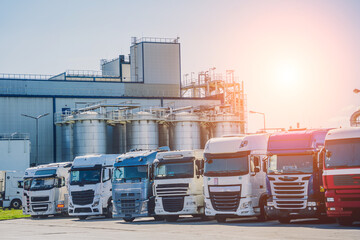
[(136, 101)]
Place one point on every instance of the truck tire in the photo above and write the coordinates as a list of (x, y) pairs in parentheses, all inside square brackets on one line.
[(129, 219), (171, 218), (263, 216), (220, 219), (345, 221), (158, 218), (109, 210), (15, 204), (284, 220)]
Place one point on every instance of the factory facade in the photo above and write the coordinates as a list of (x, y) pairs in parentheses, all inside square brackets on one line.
[(149, 78)]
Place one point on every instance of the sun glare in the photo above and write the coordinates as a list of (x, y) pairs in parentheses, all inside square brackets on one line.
[(288, 75)]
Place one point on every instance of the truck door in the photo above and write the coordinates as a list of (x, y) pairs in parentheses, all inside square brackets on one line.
[(256, 176)]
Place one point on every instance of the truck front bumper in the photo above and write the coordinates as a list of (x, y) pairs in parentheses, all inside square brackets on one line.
[(308, 212), (244, 209), (42, 208), (343, 203), (193, 205)]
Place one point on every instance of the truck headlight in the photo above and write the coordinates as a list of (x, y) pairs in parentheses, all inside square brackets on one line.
[(191, 203), (96, 203), (246, 204), (311, 204), (144, 206), (330, 199)]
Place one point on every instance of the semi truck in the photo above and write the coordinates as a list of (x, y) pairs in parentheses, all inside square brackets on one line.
[(178, 184), (132, 185), (90, 185), (294, 176), (11, 189), (234, 177), (48, 192), (342, 175)]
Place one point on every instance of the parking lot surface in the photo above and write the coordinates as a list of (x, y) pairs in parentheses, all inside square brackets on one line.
[(185, 228)]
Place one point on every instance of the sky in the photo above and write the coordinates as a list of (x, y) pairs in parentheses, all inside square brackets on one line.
[(299, 60)]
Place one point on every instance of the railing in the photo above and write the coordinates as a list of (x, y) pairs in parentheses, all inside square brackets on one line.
[(25, 76), (13, 136), (154, 39)]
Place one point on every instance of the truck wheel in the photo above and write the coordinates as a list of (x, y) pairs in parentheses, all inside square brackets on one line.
[(16, 204), (172, 218), (82, 217), (345, 221), (263, 216), (284, 220), (129, 219), (158, 218), (220, 219), (109, 210)]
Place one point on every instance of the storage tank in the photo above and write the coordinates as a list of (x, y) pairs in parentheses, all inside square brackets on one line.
[(164, 134), (119, 138), (186, 132), (226, 124), (89, 134), (142, 131), (67, 141)]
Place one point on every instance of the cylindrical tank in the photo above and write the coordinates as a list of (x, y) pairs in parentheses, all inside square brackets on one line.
[(186, 132), (67, 142), (205, 133), (225, 124), (119, 138), (89, 134), (164, 134), (142, 131)]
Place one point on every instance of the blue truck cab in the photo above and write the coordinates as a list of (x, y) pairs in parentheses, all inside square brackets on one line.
[(132, 185), (294, 175)]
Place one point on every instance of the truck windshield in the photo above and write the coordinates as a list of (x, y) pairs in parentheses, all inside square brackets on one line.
[(174, 170), (343, 153), (85, 176), (226, 166), (290, 164), (42, 184), (27, 183), (130, 172)]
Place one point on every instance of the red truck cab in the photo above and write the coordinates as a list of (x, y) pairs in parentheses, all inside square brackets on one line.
[(341, 176)]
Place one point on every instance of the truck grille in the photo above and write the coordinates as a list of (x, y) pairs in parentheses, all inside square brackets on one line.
[(128, 203), (82, 210), (173, 204), (225, 201), (290, 192), (39, 199), (176, 189), (39, 207), (347, 180), (83, 197)]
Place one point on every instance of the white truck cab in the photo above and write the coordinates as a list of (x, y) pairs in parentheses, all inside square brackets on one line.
[(11, 189), (235, 177), (48, 193), (178, 184), (90, 188)]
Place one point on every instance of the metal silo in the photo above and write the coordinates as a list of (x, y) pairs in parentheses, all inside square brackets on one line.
[(119, 138), (164, 133), (186, 131), (67, 142), (142, 131), (225, 124), (89, 133)]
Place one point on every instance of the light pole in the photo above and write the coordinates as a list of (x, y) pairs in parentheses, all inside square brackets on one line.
[(261, 114), (37, 133)]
